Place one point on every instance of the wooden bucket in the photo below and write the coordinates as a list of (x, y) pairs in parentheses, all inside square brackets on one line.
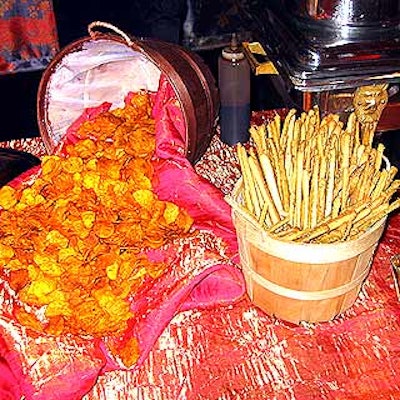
[(106, 66), (302, 282)]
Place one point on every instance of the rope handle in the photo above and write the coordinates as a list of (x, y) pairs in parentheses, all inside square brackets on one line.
[(111, 27)]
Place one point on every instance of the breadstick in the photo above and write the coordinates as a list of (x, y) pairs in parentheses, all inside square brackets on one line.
[(303, 127), (278, 163), (305, 217), (264, 190), (355, 179), (336, 206), (299, 183), (296, 131), (288, 147), (322, 228), (391, 175), (292, 196), (280, 224), (365, 155), (287, 232), (255, 134), (345, 168), (357, 153), (378, 158), (277, 120), (365, 181), (265, 219), (268, 173), (287, 128), (380, 185), (248, 179), (314, 193), (317, 116), (272, 133), (331, 127), (351, 123), (322, 181)]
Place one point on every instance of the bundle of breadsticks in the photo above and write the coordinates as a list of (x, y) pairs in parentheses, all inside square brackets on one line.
[(311, 179)]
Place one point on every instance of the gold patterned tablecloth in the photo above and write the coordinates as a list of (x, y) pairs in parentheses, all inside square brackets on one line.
[(239, 352)]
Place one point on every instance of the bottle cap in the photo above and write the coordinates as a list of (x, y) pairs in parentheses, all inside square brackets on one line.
[(233, 51)]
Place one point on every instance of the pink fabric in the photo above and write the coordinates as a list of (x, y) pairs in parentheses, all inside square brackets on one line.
[(9, 387), (201, 274)]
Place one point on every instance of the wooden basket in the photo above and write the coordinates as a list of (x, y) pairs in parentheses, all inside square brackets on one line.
[(104, 67), (301, 282)]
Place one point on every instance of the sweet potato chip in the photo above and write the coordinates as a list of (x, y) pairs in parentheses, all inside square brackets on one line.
[(88, 218), (73, 164), (8, 197), (55, 326), (145, 198), (128, 351), (171, 212), (56, 237), (6, 254), (28, 319), (18, 279)]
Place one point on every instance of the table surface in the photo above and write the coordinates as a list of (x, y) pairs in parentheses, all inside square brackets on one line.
[(239, 352)]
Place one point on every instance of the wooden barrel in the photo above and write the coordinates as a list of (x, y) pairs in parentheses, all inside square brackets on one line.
[(300, 281), (106, 66)]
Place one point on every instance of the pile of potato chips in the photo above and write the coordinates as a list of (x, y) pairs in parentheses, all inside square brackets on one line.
[(71, 244)]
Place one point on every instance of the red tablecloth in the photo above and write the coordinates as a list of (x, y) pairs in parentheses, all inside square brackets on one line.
[(238, 352)]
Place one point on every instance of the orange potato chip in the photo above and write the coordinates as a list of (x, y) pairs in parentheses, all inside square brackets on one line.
[(72, 164), (90, 180), (6, 254), (50, 166), (58, 308), (128, 351), (103, 229), (145, 198), (56, 237), (18, 279), (7, 197), (64, 182), (48, 265), (55, 326), (85, 148), (27, 319), (171, 212), (88, 218), (112, 271)]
